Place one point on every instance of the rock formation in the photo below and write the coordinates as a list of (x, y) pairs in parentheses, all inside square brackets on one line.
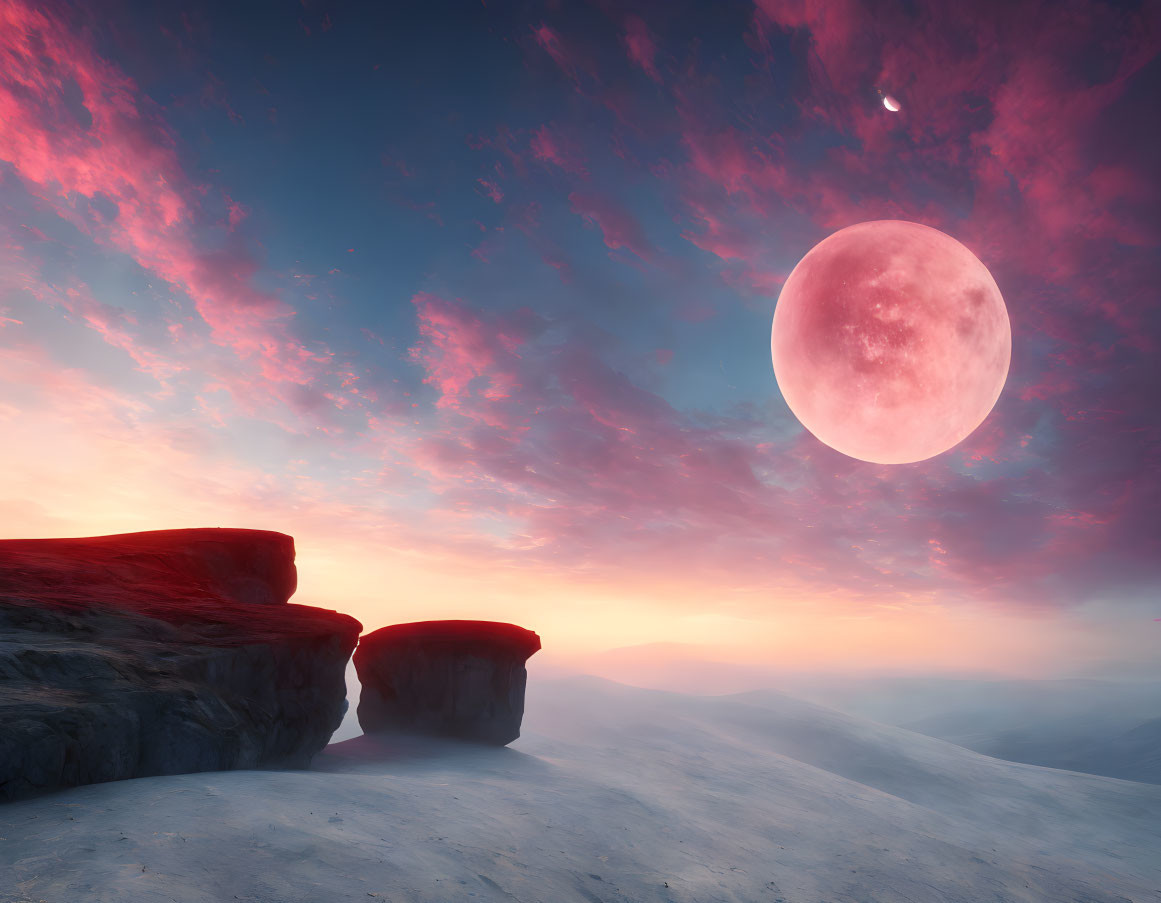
[(460, 679), (161, 653)]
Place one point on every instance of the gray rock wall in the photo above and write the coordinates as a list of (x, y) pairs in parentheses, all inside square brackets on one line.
[(112, 669)]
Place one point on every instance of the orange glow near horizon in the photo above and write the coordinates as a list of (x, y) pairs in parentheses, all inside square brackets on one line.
[(99, 482), (100, 472), (580, 620)]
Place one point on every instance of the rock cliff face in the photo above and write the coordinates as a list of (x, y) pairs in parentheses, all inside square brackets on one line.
[(462, 679), (161, 653)]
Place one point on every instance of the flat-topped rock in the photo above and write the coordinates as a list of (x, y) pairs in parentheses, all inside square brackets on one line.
[(251, 566), (462, 679), (160, 653)]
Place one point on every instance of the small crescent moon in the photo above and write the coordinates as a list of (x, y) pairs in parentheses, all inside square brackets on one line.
[(891, 103)]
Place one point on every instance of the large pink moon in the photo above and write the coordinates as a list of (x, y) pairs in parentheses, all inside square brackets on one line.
[(890, 342)]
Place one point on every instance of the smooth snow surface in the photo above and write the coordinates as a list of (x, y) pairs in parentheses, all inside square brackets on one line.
[(613, 794)]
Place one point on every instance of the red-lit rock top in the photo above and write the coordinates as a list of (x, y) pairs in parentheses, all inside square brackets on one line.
[(458, 633), (254, 566), (225, 586)]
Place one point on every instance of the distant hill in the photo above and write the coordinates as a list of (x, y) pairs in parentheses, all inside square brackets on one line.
[(1099, 727), (1133, 754)]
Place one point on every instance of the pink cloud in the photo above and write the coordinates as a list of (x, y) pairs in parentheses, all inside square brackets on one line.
[(527, 220), (111, 147), (504, 142), (465, 358), (550, 41), (117, 328), (236, 213), (492, 190), (641, 47), (747, 245), (571, 461), (618, 226), (550, 146), (998, 98)]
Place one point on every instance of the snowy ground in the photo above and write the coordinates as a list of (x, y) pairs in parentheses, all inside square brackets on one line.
[(613, 794)]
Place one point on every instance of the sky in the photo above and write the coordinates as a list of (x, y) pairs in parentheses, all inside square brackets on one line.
[(474, 300)]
